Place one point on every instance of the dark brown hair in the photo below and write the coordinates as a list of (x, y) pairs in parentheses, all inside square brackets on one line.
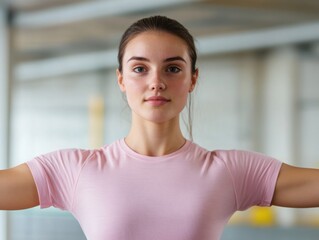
[(158, 23)]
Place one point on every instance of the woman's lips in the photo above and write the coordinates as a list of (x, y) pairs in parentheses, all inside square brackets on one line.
[(157, 100)]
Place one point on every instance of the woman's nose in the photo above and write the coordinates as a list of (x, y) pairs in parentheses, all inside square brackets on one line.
[(157, 84)]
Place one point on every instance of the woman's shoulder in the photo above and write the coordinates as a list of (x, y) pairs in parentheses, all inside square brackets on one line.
[(233, 156), (71, 156)]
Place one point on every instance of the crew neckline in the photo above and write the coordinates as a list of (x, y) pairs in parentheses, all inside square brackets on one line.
[(153, 159)]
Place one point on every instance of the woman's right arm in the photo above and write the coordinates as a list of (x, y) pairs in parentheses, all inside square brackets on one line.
[(17, 189)]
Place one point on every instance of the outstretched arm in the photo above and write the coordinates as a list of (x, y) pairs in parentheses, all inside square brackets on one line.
[(17, 189), (297, 187)]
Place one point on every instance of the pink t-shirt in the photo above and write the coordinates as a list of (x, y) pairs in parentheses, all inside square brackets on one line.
[(118, 194)]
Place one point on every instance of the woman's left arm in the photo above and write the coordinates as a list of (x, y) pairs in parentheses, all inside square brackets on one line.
[(297, 187)]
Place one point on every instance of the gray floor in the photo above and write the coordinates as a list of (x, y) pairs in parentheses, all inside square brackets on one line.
[(30, 225), (271, 233)]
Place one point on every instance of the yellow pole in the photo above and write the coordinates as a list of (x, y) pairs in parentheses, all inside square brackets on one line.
[(96, 122)]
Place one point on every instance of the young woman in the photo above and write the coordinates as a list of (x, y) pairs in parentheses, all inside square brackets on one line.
[(154, 183)]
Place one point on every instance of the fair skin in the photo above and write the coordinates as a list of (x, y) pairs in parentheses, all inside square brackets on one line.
[(164, 74), (157, 79)]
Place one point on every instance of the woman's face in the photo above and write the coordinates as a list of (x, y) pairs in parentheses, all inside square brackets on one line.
[(156, 76)]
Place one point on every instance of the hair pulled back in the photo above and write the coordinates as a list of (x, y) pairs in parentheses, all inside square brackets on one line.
[(158, 23)]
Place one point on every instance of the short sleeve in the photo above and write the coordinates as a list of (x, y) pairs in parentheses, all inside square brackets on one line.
[(55, 175), (254, 177)]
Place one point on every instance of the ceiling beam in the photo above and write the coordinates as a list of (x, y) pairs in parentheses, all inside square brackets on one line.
[(65, 65), (209, 45), (87, 11), (264, 38)]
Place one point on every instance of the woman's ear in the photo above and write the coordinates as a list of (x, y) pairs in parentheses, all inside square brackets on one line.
[(120, 80), (194, 80)]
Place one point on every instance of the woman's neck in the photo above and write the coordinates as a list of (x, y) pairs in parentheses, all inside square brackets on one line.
[(155, 139)]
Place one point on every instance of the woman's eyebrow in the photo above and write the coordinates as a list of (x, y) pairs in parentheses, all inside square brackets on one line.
[(177, 58), (171, 59), (138, 59)]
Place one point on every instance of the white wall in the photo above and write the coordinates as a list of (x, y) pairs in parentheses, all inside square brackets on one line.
[(223, 109)]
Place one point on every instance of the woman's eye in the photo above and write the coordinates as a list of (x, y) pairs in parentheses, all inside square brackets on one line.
[(139, 69), (173, 69)]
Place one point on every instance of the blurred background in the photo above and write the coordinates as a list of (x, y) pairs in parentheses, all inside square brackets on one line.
[(258, 90)]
